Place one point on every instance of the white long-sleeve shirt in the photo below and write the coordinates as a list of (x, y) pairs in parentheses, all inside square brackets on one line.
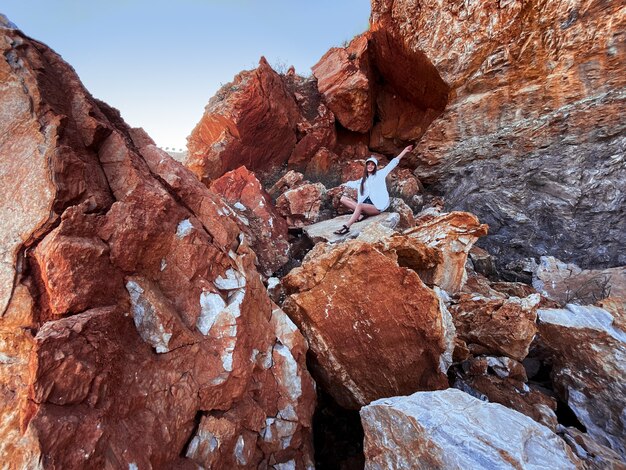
[(375, 186)]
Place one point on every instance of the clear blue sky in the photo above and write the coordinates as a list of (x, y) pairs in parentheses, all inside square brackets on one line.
[(159, 62)]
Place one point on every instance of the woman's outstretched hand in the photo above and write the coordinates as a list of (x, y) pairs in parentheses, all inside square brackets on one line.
[(405, 151)]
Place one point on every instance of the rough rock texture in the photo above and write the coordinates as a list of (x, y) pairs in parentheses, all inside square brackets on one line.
[(323, 231), (251, 121), (496, 326), (503, 380), (256, 216), (454, 234), (131, 308), (450, 429), (532, 139), (373, 327), (289, 180), (588, 347), (344, 78), (315, 128), (567, 283), (301, 205), (596, 456)]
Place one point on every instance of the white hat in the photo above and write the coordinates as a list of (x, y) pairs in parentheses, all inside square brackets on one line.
[(372, 159)]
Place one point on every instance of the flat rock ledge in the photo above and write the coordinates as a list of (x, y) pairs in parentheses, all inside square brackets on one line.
[(323, 231)]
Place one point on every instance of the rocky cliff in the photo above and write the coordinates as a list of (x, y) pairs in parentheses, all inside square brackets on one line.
[(135, 330), (532, 137)]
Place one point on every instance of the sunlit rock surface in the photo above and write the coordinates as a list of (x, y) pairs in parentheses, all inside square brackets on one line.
[(453, 234), (256, 216), (532, 137), (132, 309), (373, 327), (588, 347), (251, 121), (345, 79), (450, 429)]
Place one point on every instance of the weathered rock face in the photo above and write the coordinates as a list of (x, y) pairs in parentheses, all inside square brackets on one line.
[(251, 122), (301, 205), (532, 138), (588, 347), (344, 78), (453, 234), (131, 308), (316, 125), (256, 216), (496, 326), (567, 283), (373, 327), (450, 429), (507, 386)]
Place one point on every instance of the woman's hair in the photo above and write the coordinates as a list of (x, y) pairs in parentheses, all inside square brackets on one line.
[(365, 175)]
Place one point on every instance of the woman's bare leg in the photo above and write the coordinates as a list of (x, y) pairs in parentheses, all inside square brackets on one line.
[(348, 202), (369, 209)]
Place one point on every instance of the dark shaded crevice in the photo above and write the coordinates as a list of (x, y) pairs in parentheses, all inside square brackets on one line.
[(337, 435)]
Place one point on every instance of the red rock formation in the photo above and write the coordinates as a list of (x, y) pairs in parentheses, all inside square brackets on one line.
[(251, 122), (344, 78), (496, 326), (301, 206), (256, 217), (374, 328), (316, 125), (535, 105), (454, 234), (131, 307)]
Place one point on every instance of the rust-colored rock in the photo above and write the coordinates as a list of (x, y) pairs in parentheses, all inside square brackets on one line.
[(251, 122), (587, 346), (133, 310), (316, 126), (496, 326), (344, 78), (534, 120), (507, 387), (256, 216), (374, 328), (453, 234), (301, 206), (289, 180)]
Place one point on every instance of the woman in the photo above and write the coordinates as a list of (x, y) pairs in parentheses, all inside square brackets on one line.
[(373, 197)]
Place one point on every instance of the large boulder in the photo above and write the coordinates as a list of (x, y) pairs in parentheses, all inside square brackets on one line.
[(496, 326), (450, 429), (251, 121), (532, 137), (454, 234), (133, 310), (256, 216), (588, 347), (344, 78), (374, 328)]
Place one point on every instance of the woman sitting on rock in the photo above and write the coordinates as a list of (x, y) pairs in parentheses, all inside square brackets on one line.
[(373, 197)]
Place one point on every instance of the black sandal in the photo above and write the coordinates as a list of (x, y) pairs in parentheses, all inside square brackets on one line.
[(342, 231)]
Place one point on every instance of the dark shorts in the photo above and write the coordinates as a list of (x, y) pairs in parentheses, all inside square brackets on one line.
[(368, 201)]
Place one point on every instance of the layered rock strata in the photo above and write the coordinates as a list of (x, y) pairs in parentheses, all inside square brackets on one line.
[(132, 310), (532, 138)]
